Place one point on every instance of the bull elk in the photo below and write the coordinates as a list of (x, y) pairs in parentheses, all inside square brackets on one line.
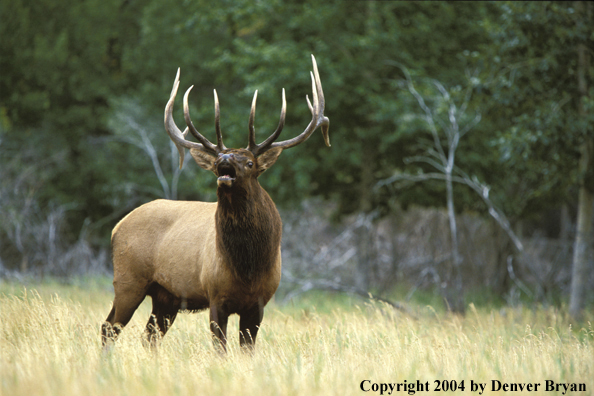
[(224, 256)]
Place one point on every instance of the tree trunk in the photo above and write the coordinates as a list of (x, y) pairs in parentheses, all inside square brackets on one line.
[(454, 294), (501, 281), (584, 240), (582, 254), (582, 251), (365, 243)]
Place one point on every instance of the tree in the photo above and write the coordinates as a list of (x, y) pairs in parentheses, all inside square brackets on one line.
[(241, 46), (449, 122), (536, 95), (583, 256), (61, 62)]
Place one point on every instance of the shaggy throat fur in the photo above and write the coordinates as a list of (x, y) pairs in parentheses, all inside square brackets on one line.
[(250, 247)]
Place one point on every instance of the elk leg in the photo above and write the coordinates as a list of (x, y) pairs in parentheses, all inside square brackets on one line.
[(108, 333), (218, 327), (120, 314), (117, 319), (249, 324), (161, 319)]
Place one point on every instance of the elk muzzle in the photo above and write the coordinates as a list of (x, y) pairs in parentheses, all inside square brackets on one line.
[(225, 170)]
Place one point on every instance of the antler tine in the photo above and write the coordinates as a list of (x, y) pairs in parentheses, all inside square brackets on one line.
[(281, 124), (258, 149), (318, 119), (177, 136), (325, 123), (316, 100), (205, 142), (220, 144), (319, 89), (252, 135), (322, 102)]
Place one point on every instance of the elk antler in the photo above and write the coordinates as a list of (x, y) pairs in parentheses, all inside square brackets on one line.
[(317, 111), (178, 137), (205, 142), (258, 149), (318, 119)]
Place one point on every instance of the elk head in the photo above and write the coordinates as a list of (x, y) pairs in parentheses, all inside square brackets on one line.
[(237, 168)]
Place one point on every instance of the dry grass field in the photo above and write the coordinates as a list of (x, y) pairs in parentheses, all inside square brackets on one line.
[(50, 345)]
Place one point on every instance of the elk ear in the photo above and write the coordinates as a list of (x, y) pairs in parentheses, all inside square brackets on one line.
[(267, 159), (203, 159)]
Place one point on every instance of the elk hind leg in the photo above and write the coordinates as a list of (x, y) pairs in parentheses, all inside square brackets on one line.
[(124, 306), (108, 333), (165, 309)]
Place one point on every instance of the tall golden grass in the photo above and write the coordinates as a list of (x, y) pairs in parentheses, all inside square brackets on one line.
[(50, 345)]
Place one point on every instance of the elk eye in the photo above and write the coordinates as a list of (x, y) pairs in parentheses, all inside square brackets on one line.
[(250, 164)]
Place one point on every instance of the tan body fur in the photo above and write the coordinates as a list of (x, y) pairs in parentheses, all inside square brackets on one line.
[(179, 254), (222, 256)]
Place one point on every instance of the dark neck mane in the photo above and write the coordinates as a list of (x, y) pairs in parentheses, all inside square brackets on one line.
[(249, 231)]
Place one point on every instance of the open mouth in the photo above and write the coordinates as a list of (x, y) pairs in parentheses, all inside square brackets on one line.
[(226, 174)]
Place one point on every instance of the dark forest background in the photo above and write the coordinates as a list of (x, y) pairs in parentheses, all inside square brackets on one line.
[(462, 136)]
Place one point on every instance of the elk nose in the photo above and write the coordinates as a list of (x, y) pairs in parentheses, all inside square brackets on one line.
[(226, 157)]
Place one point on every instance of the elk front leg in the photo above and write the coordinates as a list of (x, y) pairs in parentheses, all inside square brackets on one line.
[(218, 327), (249, 324)]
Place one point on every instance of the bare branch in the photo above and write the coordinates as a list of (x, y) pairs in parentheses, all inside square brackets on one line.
[(131, 125), (471, 125), (429, 118), (427, 160), (469, 90), (481, 189), (146, 145)]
